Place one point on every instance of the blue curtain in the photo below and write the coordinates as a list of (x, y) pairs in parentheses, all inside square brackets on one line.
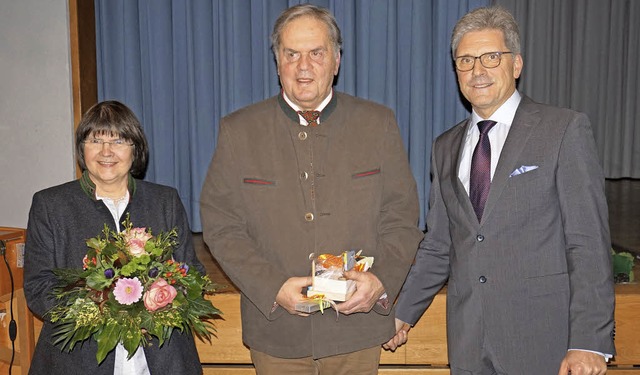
[(182, 65), (583, 54)]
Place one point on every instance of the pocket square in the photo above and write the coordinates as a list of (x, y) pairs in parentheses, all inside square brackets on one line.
[(523, 169)]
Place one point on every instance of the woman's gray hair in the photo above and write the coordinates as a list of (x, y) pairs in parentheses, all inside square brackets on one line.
[(319, 13), (495, 18)]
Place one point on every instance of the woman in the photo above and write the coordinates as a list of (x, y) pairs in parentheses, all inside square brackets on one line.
[(111, 150)]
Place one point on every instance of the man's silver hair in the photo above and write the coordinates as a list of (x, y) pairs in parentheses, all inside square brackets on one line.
[(319, 13), (494, 18)]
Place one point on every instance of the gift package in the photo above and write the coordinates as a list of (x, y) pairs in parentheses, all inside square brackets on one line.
[(328, 283)]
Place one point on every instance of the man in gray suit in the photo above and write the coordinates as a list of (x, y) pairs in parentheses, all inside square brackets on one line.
[(526, 254)]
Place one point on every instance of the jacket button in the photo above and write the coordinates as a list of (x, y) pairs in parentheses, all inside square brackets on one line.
[(308, 216), (480, 238), (482, 279), (304, 176), (302, 136)]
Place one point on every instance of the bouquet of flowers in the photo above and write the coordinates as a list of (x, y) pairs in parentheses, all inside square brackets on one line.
[(128, 290)]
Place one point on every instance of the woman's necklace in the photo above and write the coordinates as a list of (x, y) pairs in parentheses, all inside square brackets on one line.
[(118, 200), (115, 201)]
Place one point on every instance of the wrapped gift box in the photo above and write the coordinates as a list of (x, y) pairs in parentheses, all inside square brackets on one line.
[(333, 289), (328, 283)]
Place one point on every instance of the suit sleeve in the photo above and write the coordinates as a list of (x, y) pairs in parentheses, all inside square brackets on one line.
[(430, 270), (185, 252), (398, 233), (39, 279), (580, 182), (225, 229)]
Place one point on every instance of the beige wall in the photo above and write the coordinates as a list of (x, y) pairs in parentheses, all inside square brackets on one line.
[(36, 116)]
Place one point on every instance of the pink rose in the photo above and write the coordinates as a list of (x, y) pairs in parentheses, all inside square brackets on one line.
[(136, 240), (159, 295)]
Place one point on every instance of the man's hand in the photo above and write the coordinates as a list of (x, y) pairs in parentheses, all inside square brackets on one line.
[(579, 362), (368, 291), (291, 293), (401, 336)]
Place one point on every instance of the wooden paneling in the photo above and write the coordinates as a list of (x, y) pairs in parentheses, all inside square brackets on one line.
[(382, 371), (226, 370), (25, 341), (627, 315), (84, 78), (427, 344), (13, 239), (413, 371), (426, 350), (228, 346), (425, 353)]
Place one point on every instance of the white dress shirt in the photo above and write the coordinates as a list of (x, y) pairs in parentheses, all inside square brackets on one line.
[(304, 122), (497, 136)]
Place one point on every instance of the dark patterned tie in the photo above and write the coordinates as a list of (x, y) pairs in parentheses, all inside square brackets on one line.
[(480, 180), (310, 116)]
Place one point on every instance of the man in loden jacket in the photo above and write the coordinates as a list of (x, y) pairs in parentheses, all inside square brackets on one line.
[(284, 183)]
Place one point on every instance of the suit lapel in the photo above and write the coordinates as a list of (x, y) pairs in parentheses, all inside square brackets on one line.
[(524, 122), (457, 146)]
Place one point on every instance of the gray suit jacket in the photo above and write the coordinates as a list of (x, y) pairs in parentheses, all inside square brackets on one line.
[(534, 277)]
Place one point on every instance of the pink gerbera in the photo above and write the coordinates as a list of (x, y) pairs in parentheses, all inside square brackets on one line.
[(128, 291)]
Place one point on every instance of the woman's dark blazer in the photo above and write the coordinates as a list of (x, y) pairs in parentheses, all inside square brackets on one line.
[(61, 219)]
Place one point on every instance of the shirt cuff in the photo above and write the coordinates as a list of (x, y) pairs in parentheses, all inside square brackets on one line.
[(383, 301), (607, 357)]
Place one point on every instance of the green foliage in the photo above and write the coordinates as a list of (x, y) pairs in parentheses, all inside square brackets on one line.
[(623, 266)]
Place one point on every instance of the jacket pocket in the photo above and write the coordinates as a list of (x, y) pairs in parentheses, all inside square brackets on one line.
[(363, 174), (365, 179), (258, 182), (547, 284)]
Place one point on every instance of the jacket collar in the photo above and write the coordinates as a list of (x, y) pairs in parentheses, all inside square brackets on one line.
[(89, 187), (293, 115)]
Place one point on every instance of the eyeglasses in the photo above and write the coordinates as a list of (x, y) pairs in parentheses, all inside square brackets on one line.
[(116, 144), (488, 60)]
